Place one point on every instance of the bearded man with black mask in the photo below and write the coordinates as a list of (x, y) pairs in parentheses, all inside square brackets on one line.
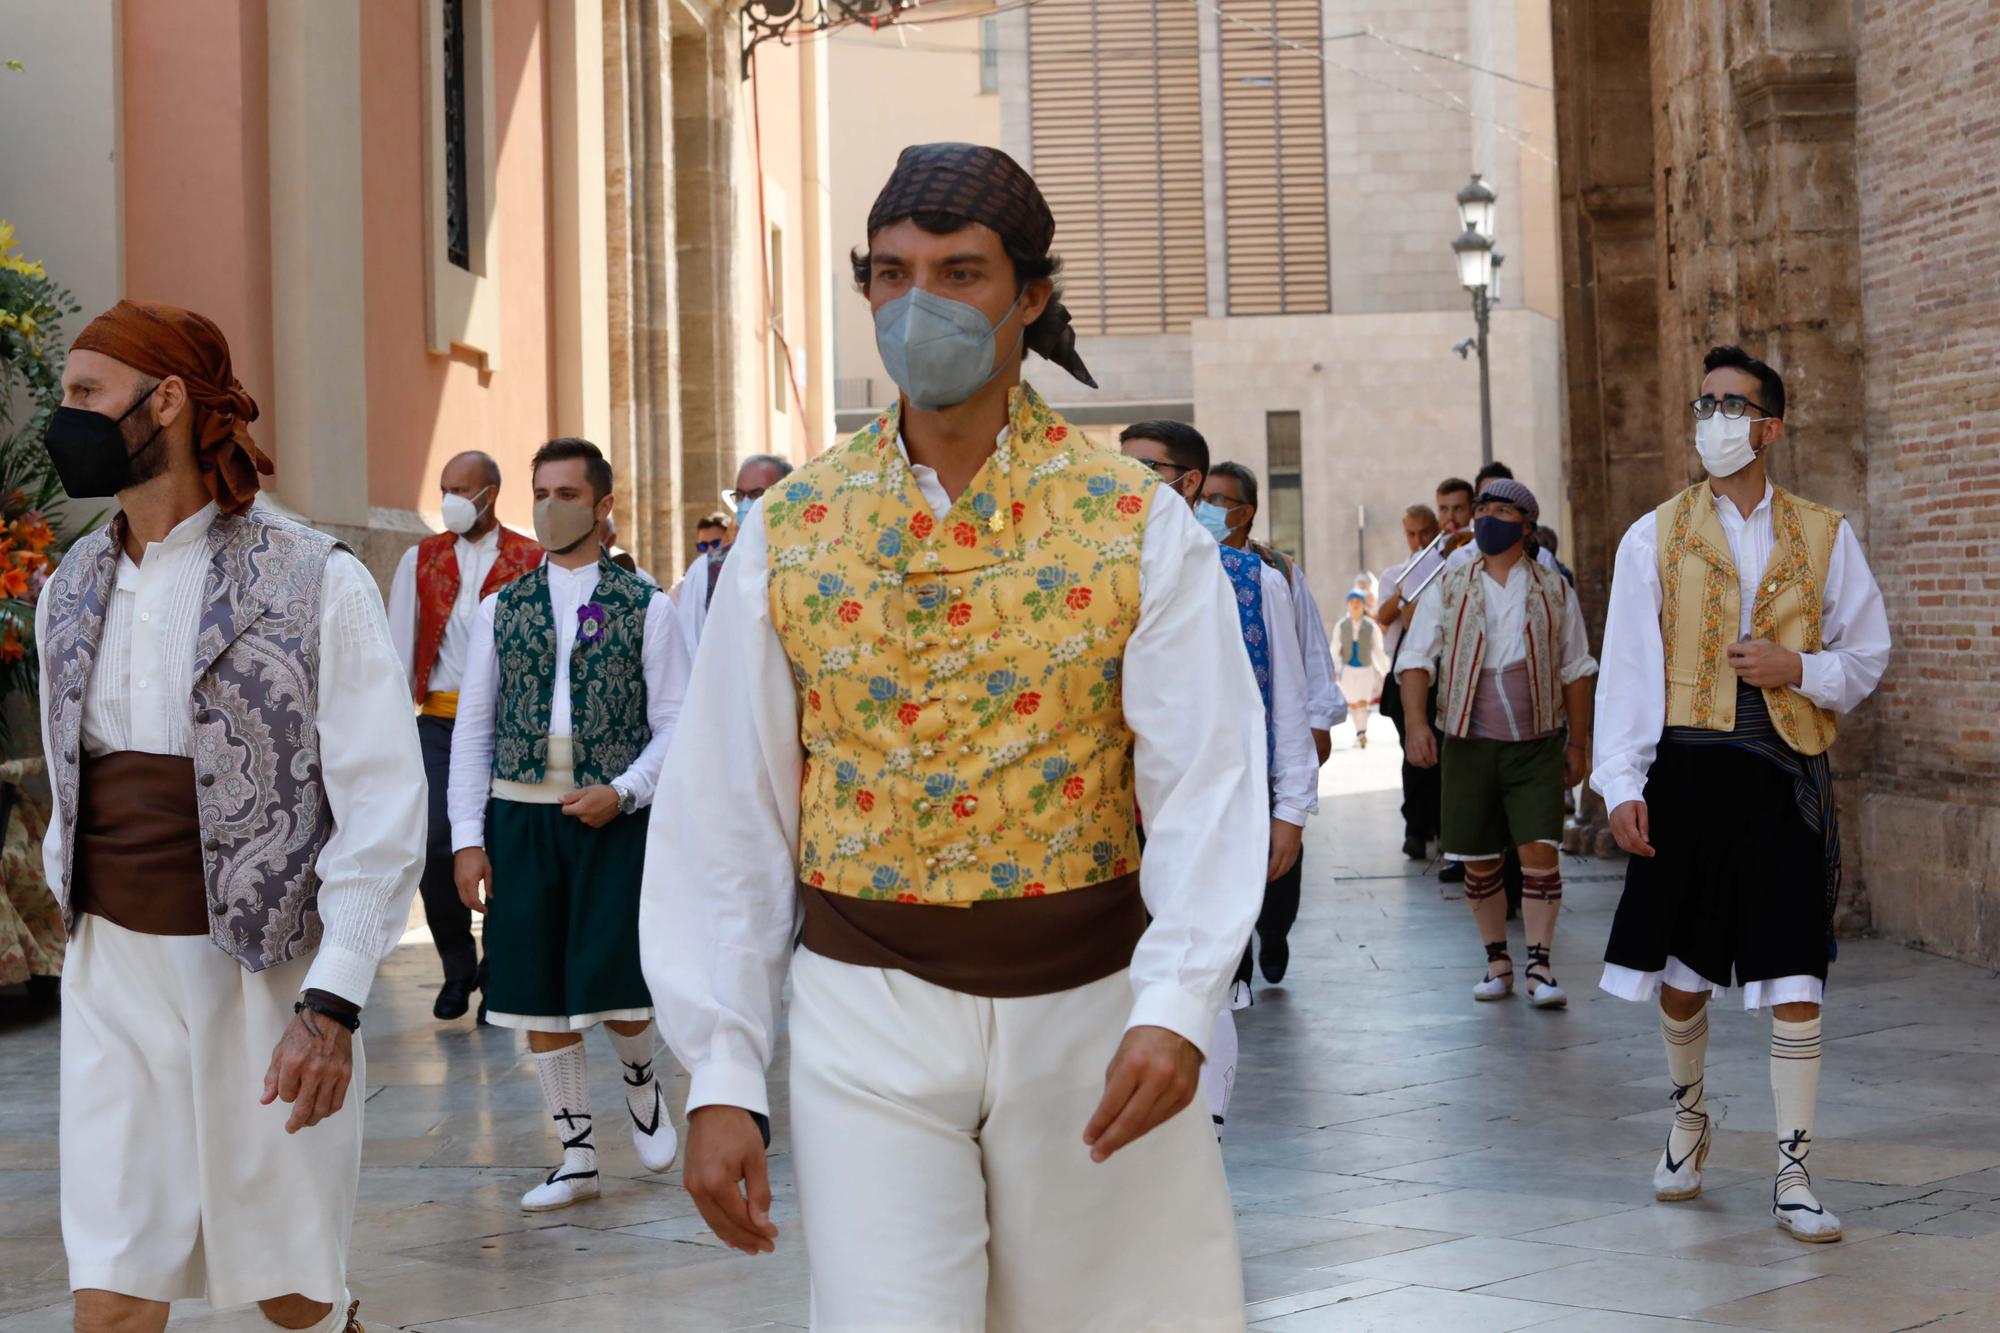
[(1743, 621), (1504, 636), (236, 838), (572, 685)]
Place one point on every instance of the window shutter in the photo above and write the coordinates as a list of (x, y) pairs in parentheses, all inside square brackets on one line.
[(1274, 157), (1115, 106)]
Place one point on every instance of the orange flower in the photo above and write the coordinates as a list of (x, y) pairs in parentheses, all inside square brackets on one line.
[(11, 648), (14, 583)]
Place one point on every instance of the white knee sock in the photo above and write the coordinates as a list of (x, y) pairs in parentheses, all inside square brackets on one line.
[(1687, 1049), (566, 1092), (636, 1053), (1794, 1088), (1218, 1072)]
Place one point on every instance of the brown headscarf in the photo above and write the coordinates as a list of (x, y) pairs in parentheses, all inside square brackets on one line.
[(162, 340), (983, 185)]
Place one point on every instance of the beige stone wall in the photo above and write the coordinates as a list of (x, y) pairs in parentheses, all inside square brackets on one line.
[(1387, 412)]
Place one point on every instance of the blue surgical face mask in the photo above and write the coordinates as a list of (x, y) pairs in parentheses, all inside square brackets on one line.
[(1214, 520), (742, 512), (938, 351)]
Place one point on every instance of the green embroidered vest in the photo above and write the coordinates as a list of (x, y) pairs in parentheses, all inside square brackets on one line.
[(959, 678), (609, 725)]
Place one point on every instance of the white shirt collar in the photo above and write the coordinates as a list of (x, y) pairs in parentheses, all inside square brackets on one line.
[(486, 543), (576, 575), (1727, 507), (185, 533)]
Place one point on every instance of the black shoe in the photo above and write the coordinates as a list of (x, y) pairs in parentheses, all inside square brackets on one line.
[(483, 1021), (1453, 873), (1414, 848), (454, 998), (1277, 955)]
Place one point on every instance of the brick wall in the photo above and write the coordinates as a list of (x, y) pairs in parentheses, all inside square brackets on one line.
[(1928, 144)]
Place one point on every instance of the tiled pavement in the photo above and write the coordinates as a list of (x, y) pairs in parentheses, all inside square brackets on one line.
[(1401, 1158)]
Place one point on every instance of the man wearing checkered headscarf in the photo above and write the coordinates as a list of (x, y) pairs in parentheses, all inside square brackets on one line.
[(948, 660), (1505, 639)]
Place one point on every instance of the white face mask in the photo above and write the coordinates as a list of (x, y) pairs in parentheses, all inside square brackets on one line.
[(460, 514), (1724, 445)]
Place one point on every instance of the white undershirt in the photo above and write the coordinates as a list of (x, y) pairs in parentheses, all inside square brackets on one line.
[(475, 562), (663, 660), (1506, 609), (138, 699), (718, 916)]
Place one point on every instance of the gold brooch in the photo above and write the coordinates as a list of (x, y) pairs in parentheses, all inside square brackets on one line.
[(996, 523)]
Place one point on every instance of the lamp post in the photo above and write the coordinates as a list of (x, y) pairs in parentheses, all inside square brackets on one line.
[(1474, 249)]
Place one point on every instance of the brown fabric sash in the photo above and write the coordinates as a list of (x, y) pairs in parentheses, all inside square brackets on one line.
[(138, 845), (1004, 949)]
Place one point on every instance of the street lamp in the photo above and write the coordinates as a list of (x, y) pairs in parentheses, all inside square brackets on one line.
[(1476, 261)]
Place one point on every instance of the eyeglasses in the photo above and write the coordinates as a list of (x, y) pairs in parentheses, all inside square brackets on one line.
[(1733, 407), (1224, 501), (703, 548), (1160, 468), (733, 498)]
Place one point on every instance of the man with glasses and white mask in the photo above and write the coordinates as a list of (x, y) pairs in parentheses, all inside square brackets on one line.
[(1742, 621), (757, 474), (433, 601)]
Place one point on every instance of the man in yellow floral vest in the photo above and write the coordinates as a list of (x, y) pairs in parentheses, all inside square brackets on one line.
[(1742, 620), (943, 662)]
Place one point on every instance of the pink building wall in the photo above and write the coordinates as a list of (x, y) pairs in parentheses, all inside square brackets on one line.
[(423, 407), (197, 173)]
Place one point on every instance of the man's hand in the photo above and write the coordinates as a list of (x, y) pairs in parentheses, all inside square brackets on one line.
[(725, 1176), (1285, 839), (472, 872), (1154, 1075), (1420, 743), (1323, 742), (1389, 610), (1576, 763), (1629, 826), (310, 1069), (595, 806), (1766, 665)]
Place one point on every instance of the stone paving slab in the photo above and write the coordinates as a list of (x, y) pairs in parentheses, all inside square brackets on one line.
[(1401, 1158)]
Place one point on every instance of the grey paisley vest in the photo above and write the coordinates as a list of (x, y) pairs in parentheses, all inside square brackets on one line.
[(255, 702), (609, 724)]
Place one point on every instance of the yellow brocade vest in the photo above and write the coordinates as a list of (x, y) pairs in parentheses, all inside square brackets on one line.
[(1701, 610), (959, 678)]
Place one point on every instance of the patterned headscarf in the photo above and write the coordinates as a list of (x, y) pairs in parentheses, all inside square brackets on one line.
[(162, 340), (986, 186), (1506, 490)]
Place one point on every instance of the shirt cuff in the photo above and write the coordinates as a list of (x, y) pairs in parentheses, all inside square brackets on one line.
[(1819, 679), (1577, 670), (1180, 1012), (467, 833), (1620, 788), (1296, 815), (721, 1084), (343, 972), (1326, 719)]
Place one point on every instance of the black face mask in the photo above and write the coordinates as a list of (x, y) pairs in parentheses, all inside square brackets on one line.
[(1495, 535), (89, 453)]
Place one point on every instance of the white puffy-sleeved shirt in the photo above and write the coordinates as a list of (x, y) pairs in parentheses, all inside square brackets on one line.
[(664, 662), (1632, 684), (369, 756), (1326, 706), (1294, 757), (718, 914)]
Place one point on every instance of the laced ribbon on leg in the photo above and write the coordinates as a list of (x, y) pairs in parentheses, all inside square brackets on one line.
[(1496, 952), (573, 1139)]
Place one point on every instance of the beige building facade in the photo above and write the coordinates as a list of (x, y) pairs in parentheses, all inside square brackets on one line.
[(1254, 206), (437, 225)]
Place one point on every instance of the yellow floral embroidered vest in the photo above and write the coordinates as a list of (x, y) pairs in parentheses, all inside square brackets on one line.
[(1701, 610), (959, 684)]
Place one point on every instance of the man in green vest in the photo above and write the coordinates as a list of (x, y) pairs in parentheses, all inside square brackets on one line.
[(572, 684)]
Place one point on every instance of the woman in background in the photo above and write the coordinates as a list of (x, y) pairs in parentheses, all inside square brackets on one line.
[(1363, 663)]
